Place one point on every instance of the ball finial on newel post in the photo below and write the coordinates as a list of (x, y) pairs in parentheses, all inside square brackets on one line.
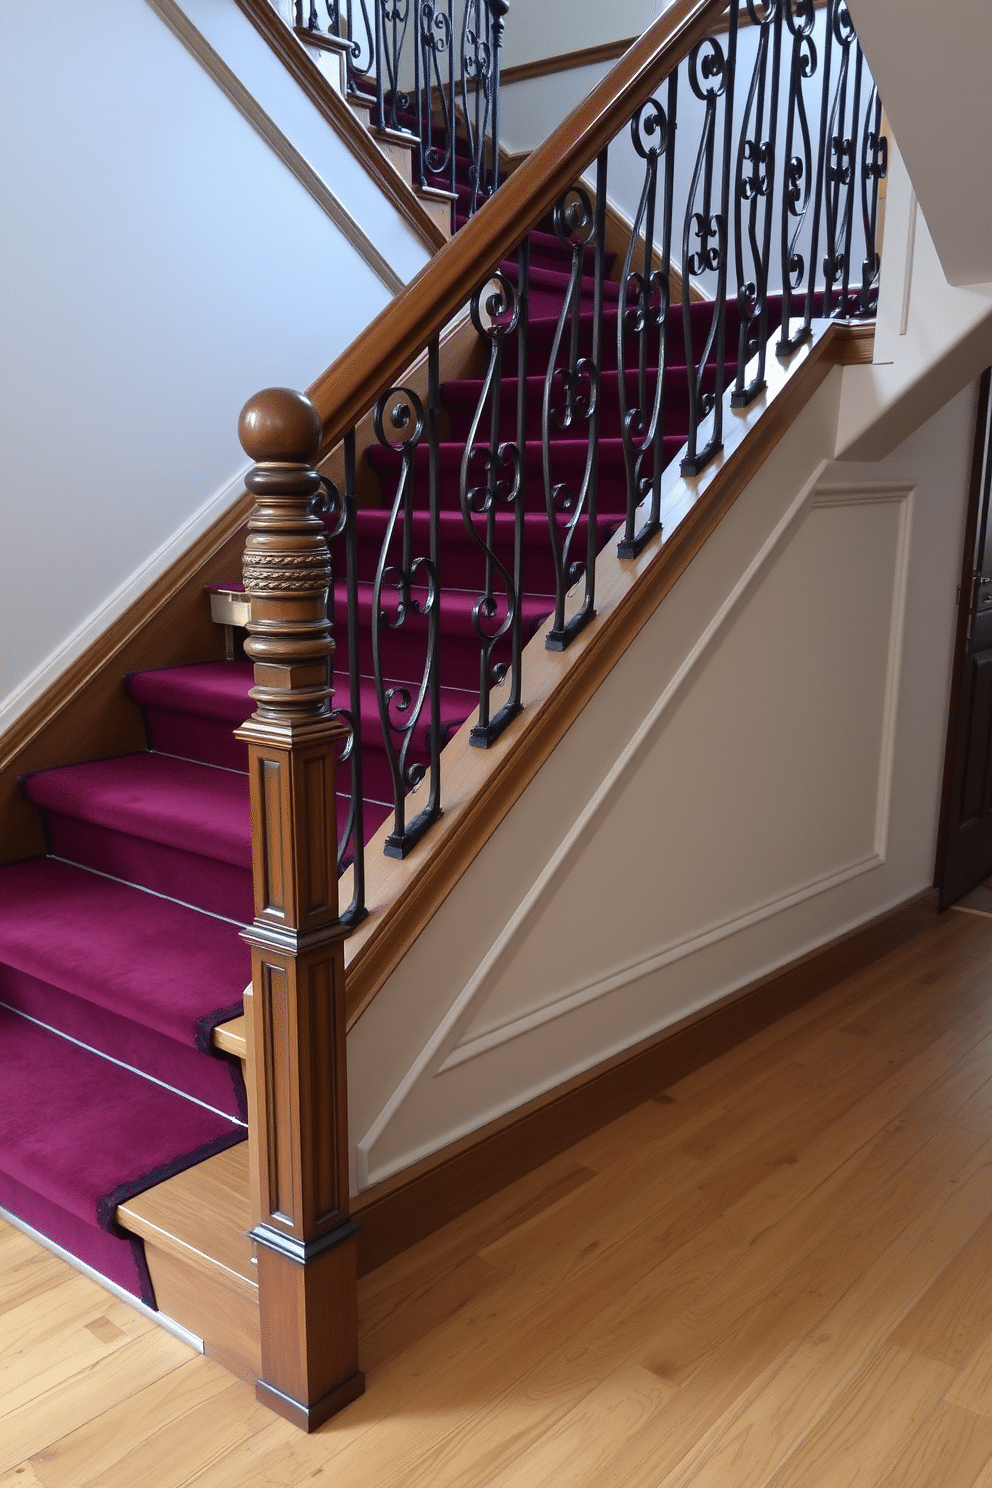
[(279, 424), (287, 568)]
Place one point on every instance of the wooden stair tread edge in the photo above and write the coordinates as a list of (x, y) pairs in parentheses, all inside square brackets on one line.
[(393, 136), (203, 1213), (323, 42), (231, 1037)]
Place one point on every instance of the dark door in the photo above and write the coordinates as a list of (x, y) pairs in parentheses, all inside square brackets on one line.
[(964, 853)]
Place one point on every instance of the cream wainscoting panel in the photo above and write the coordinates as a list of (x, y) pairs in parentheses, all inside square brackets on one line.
[(760, 778)]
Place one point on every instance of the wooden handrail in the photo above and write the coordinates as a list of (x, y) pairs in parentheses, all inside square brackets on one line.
[(386, 348)]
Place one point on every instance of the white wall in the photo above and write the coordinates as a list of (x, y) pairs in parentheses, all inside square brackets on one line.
[(550, 27), (934, 77), (760, 773), (931, 338), (160, 263)]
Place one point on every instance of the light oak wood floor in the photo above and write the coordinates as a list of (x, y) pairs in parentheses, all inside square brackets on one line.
[(776, 1273)]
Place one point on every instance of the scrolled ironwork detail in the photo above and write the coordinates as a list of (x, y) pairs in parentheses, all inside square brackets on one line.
[(642, 323), (755, 175), (406, 586), (711, 78), (574, 373), (490, 482)]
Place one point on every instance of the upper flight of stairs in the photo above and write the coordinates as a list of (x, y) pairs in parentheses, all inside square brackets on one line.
[(120, 950)]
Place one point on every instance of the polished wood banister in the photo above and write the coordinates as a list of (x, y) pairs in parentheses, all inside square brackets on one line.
[(378, 358)]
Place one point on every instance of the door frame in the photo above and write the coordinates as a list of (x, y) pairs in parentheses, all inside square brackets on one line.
[(983, 416)]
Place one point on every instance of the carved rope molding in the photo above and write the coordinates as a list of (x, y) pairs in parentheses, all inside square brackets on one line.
[(231, 86)]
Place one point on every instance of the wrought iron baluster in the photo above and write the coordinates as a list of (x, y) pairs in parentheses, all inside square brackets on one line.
[(711, 78), (475, 61), (342, 539), (498, 10), (577, 225), (414, 583), (643, 314), (874, 168), (482, 38), (797, 173), (754, 189), (850, 202), (839, 164), (392, 24), (435, 93), (496, 484), (362, 53)]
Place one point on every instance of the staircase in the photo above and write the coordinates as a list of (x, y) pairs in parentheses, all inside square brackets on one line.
[(121, 956)]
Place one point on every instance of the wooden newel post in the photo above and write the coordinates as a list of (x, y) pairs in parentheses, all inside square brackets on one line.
[(306, 1244)]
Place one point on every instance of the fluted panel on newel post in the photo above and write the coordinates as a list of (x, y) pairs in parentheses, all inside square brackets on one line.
[(307, 1258)]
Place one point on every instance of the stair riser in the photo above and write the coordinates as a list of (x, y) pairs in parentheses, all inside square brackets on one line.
[(568, 464), (462, 563), (192, 736), (206, 883), (462, 401), (216, 1081), (120, 1262)]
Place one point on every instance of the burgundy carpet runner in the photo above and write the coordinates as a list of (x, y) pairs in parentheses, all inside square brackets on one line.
[(120, 951)]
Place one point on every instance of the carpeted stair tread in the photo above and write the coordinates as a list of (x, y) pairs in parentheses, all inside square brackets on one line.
[(192, 711), (176, 802), (457, 623), (464, 561), (88, 1134), (146, 958), (461, 399), (215, 689)]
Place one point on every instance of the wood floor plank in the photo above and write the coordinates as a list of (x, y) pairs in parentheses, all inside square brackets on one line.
[(209, 1431), (68, 1400), (860, 1439), (21, 1476), (592, 1437), (951, 1449), (26, 1270), (972, 1389), (65, 1349), (954, 1317), (99, 1445), (750, 1439), (402, 1313)]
